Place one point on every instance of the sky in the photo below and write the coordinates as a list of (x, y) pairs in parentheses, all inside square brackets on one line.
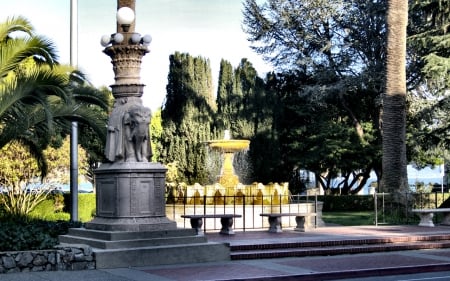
[(208, 28)]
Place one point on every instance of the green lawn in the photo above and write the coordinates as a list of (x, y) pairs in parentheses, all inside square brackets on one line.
[(349, 218)]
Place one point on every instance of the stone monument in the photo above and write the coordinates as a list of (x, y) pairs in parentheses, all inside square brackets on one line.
[(130, 227), (130, 188)]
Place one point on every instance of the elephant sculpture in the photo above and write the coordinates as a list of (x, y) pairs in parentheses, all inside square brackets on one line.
[(136, 123), (128, 137)]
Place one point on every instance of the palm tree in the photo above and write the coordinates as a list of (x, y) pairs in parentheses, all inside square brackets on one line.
[(394, 173), (38, 96)]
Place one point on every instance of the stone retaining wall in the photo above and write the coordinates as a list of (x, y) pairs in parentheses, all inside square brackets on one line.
[(62, 257)]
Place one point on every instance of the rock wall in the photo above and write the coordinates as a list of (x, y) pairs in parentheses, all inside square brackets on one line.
[(62, 257)]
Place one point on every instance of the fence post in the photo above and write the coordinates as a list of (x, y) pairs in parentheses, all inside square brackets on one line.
[(375, 207), (436, 200), (243, 212), (315, 211), (281, 210)]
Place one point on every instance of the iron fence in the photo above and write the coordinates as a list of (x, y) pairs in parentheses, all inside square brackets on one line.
[(248, 207), (397, 210), (386, 208)]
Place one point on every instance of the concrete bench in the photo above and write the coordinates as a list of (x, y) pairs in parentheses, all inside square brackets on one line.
[(226, 221), (300, 218), (426, 216)]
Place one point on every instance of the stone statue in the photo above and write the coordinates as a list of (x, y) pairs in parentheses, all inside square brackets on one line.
[(128, 138), (137, 137)]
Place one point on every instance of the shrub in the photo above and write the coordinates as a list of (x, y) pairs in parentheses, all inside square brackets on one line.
[(21, 233), (21, 202), (86, 205), (50, 209), (342, 203)]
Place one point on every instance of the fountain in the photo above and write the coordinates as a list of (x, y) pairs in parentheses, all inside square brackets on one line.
[(230, 196), (228, 147), (228, 188)]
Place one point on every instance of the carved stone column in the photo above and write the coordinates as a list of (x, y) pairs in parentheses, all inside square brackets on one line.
[(130, 189)]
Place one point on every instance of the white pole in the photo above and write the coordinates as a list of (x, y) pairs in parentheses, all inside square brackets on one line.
[(74, 131)]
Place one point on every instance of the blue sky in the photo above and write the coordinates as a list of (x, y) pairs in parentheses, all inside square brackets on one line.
[(207, 28)]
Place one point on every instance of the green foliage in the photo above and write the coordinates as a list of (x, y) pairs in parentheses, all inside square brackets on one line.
[(187, 116), (429, 102), (332, 66), (86, 207), (429, 40), (50, 209), (347, 203), (246, 107), (156, 131), (39, 97), (90, 140), (20, 234), (20, 202)]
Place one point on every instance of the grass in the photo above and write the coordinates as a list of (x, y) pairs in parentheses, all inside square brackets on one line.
[(368, 218), (349, 218)]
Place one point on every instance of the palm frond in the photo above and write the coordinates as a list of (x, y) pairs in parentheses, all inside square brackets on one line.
[(16, 51), (14, 24)]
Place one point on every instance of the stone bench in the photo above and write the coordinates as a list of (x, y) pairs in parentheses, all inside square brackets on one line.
[(426, 216), (226, 221), (300, 218)]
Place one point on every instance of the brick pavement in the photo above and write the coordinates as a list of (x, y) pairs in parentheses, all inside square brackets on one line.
[(292, 268)]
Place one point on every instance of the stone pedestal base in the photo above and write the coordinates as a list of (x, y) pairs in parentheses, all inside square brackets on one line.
[(130, 197), (131, 224)]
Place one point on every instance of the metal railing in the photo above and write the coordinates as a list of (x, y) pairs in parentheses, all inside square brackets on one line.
[(249, 207), (390, 210)]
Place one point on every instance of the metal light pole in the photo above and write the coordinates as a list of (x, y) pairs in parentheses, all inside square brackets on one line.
[(74, 130)]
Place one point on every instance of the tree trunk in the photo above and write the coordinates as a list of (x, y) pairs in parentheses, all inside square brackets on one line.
[(394, 174)]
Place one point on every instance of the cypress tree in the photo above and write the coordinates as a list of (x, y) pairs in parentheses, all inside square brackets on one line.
[(224, 96), (187, 116)]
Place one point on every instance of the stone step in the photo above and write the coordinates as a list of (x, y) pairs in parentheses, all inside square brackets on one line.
[(127, 235), (162, 255), (338, 247), (118, 239), (113, 249), (131, 243)]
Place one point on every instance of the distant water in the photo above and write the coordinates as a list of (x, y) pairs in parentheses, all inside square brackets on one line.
[(427, 176)]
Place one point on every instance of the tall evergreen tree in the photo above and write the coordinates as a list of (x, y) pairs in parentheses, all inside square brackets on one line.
[(247, 108), (187, 116), (429, 100), (225, 96)]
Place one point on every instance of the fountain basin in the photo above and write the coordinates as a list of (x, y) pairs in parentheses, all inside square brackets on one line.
[(229, 146)]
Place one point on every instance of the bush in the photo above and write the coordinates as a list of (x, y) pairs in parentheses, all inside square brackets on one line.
[(352, 203), (50, 209), (20, 233), (86, 205)]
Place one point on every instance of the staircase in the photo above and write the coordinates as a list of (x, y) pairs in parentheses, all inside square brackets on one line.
[(337, 247), (114, 249)]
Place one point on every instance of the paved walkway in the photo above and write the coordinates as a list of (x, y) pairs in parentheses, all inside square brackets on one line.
[(304, 268)]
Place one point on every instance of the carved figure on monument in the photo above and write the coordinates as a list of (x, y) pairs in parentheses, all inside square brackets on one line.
[(136, 124), (128, 135)]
